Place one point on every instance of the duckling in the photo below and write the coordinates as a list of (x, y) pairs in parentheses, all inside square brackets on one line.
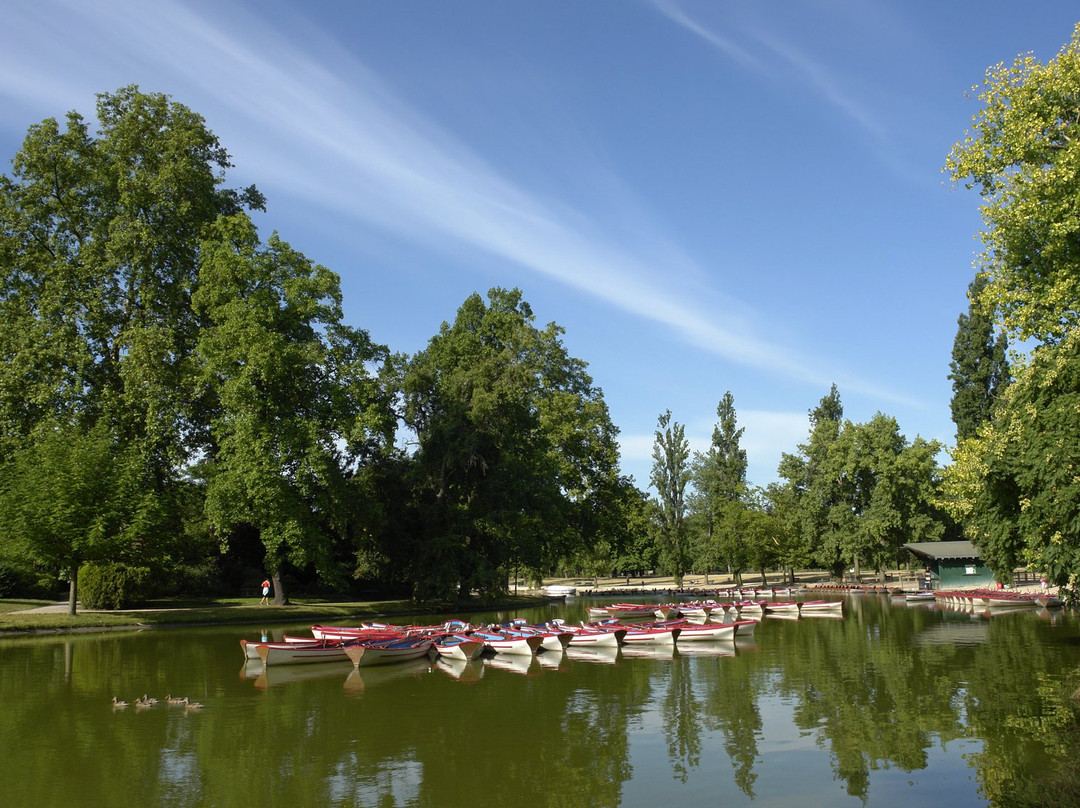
[(117, 704)]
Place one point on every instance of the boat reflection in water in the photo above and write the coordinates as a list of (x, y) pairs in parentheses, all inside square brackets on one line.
[(360, 679), (711, 649), (514, 663), (274, 675), (598, 654), (659, 652), (464, 670), (552, 660)]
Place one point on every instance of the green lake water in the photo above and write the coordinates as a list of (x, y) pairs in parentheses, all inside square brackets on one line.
[(892, 705)]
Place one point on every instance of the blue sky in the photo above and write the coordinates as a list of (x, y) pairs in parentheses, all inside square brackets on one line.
[(707, 195)]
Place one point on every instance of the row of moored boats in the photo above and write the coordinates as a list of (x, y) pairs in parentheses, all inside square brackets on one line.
[(994, 599), (711, 609), (622, 624)]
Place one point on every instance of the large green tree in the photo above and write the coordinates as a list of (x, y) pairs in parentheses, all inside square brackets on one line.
[(979, 369), (516, 458), (890, 487), (1010, 483), (719, 480), (75, 496), (295, 406), (1023, 154), (1017, 486), (816, 486), (670, 475), (100, 231)]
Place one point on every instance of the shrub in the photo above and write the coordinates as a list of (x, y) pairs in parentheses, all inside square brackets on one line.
[(198, 580), (19, 581), (111, 585)]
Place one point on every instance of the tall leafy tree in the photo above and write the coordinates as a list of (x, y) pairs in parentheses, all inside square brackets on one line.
[(1011, 483), (295, 406), (670, 475), (1015, 485), (816, 485), (890, 487), (1023, 154), (74, 496), (516, 459), (99, 239), (979, 369), (719, 478)]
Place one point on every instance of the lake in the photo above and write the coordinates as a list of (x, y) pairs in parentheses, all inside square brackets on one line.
[(891, 705)]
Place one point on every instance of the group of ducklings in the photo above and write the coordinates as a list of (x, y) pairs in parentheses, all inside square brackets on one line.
[(148, 701)]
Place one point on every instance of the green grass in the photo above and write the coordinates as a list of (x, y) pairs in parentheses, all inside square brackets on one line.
[(173, 612)]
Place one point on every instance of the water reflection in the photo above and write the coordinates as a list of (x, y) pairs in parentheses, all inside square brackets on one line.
[(893, 703)]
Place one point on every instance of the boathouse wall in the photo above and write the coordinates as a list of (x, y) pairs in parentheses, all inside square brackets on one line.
[(952, 564)]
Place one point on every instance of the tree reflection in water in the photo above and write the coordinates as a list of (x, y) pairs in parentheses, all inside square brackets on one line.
[(885, 702)]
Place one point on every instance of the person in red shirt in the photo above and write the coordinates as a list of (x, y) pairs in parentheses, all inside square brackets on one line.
[(266, 593)]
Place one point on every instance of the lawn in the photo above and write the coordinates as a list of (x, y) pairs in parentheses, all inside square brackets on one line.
[(13, 618)]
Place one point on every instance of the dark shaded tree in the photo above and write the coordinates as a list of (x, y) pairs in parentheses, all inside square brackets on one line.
[(516, 459), (295, 406), (979, 369)]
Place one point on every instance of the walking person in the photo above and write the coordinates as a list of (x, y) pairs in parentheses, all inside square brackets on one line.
[(266, 593)]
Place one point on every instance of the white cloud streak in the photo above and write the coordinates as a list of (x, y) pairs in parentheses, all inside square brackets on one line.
[(779, 59), (342, 139)]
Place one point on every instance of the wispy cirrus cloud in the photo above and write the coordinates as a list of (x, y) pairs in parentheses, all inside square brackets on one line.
[(330, 130), (759, 49)]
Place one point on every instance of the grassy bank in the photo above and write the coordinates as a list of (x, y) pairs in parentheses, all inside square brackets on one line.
[(16, 619)]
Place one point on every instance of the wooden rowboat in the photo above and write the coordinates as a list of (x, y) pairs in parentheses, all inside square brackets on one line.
[(647, 635), (290, 653), (709, 631), (522, 645), (459, 646), (384, 652)]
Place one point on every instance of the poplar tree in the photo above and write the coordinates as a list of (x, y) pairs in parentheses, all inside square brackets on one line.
[(670, 475), (979, 369), (816, 484), (719, 477)]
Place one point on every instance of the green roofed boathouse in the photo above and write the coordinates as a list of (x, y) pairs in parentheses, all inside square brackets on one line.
[(952, 564)]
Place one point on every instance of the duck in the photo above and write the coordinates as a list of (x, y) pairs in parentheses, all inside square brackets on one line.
[(171, 699), (148, 700), (191, 705), (117, 704)]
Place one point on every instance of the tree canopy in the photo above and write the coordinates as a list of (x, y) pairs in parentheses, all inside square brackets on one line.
[(1023, 154), (515, 450), (1012, 482)]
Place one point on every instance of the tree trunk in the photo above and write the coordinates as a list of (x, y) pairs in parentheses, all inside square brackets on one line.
[(73, 589), (279, 591), (764, 578)]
